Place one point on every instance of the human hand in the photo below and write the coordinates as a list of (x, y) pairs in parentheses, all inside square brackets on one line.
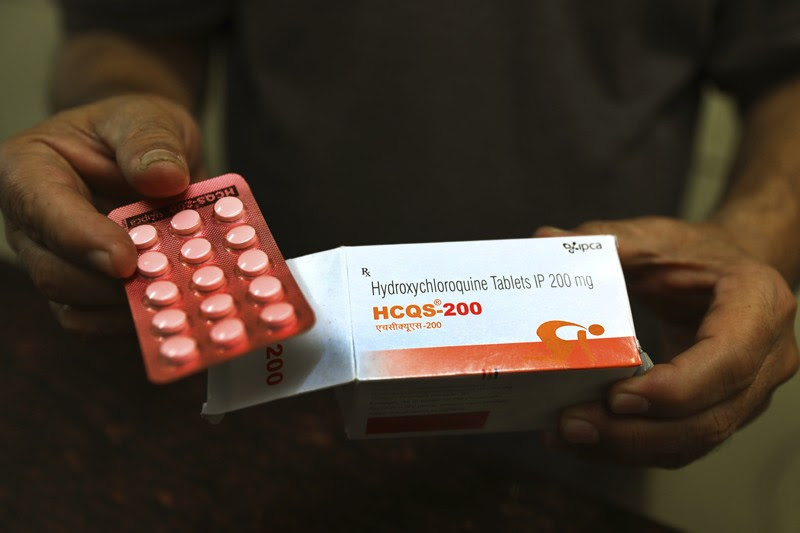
[(57, 181), (729, 324)]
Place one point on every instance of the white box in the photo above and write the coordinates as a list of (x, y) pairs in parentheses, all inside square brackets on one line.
[(455, 337)]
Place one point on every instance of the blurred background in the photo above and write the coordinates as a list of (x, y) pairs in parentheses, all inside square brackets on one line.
[(751, 484)]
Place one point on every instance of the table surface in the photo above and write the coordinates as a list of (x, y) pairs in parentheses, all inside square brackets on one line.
[(89, 444)]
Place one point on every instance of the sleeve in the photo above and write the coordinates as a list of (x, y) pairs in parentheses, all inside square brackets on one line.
[(145, 16), (756, 46)]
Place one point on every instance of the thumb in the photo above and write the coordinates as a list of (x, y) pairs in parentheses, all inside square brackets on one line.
[(639, 240), (156, 142)]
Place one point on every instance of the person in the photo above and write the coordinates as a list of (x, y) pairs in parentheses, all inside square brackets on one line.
[(422, 121)]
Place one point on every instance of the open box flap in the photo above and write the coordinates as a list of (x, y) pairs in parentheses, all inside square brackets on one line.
[(318, 359)]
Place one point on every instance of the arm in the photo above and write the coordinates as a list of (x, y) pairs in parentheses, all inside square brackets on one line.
[(125, 130), (762, 208), (722, 290)]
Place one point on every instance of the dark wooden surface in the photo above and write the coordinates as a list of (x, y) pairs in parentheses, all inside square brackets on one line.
[(88, 444)]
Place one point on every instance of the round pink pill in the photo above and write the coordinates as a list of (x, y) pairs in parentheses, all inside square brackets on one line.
[(186, 222), (196, 250), (169, 321), (144, 236), (208, 278), (265, 289), (278, 315), (217, 306), (228, 209), (162, 293), (253, 262), (152, 264), (228, 332), (179, 349), (241, 237)]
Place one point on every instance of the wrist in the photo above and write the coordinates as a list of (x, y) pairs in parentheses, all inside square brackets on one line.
[(761, 211), (764, 224)]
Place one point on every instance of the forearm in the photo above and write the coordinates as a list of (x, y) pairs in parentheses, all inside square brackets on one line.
[(95, 65), (761, 210)]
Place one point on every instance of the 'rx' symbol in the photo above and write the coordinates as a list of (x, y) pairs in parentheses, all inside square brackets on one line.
[(364, 272)]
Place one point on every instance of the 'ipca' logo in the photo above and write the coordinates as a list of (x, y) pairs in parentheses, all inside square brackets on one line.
[(573, 247)]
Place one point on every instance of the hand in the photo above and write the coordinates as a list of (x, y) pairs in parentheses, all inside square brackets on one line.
[(58, 179), (729, 321)]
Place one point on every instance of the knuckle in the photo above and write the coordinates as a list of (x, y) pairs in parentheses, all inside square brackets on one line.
[(10, 152), (165, 120), (15, 238), (18, 200), (788, 306), (142, 136), (777, 293), (784, 299), (759, 409), (791, 362), (718, 428), (739, 371)]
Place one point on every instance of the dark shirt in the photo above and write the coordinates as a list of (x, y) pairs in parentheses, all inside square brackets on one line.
[(381, 122)]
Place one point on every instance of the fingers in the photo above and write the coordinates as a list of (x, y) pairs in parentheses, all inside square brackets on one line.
[(82, 301), (47, 175), (639, 240), (156, 142), (50, 174), (679, 411), (62, 281), (739, 316), (751, 315), (590, 430), (50, 210), (94, 321)]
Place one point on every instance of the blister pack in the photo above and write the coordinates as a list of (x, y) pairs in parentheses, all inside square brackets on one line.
[(211, 283)]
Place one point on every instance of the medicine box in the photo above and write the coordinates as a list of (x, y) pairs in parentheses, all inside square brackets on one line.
[(456, 337)]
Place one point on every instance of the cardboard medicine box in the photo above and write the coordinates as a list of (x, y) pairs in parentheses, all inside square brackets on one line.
[(456, 337)]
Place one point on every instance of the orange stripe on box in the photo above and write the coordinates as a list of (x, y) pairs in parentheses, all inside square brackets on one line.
[(612, 352), (432, 422)]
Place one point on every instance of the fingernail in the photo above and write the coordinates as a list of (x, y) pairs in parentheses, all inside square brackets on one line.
[(625, 403), (578, 431), (553, 229), (101, 260), (57, 308), (160, 155)]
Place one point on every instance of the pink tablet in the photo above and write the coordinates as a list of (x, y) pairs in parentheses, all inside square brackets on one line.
[(209, 278)]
